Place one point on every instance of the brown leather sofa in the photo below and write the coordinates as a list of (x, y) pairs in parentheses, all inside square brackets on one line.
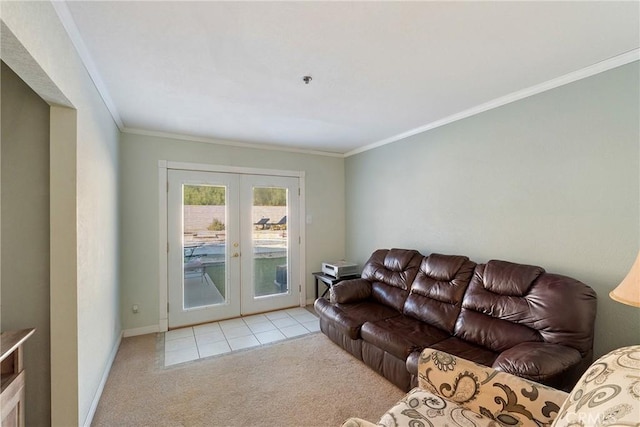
[(512, 317)]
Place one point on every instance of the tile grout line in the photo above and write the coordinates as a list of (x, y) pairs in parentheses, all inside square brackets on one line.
[(252, 334), (193, 331)]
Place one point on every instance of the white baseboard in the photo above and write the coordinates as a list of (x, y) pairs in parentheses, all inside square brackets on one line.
[(141, 331), (103, 381), (126, 333)]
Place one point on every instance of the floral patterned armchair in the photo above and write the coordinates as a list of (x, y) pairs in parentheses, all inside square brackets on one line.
[(456, 392), (608, 393)]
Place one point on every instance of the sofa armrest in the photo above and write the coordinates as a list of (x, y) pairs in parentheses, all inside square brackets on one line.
[(349, 291), (539, 361), (494, 394), (341, 320)]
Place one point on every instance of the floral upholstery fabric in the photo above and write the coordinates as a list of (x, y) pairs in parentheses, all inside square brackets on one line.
[(504, 398), (455, 392), (358, 422), (607, 394), (420, 408)]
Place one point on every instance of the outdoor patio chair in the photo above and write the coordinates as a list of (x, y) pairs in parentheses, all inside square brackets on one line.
[(262, 223), (283, 221)]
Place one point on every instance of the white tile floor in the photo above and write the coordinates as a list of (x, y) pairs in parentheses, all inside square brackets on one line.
[(186, 344)]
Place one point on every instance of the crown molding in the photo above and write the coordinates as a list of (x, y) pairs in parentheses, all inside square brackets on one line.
[(600, 67), (230, 143), (64, 14)]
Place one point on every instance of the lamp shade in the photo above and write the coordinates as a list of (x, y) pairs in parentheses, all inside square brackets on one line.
[(628, 291)]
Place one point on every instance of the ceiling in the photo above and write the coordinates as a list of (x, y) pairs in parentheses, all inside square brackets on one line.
[(380, 70)]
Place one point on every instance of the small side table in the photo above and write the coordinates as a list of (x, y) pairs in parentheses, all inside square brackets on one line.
[(329, 281)]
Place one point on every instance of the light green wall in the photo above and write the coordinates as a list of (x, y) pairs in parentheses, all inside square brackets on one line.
[(139, 156), (25, 233), (551, 180), (85, 311)]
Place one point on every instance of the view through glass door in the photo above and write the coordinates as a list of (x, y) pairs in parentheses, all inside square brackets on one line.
[(230, 250), (271, 249)]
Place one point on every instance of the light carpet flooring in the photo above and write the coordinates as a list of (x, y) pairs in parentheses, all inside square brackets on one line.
[(304, 381)]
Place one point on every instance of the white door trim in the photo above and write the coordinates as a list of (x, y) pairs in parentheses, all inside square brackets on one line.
[(163, 241)]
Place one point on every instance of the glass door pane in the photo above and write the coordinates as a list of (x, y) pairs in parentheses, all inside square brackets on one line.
[(271, 246), (269, 241), (204, 245), (204, 255)]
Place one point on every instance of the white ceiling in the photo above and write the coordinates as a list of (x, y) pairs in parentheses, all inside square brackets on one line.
[(381, 70)]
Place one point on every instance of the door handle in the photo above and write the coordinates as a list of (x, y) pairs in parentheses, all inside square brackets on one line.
[(235, 255)]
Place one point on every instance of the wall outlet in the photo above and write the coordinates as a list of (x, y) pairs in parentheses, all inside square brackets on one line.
[(135, 308)]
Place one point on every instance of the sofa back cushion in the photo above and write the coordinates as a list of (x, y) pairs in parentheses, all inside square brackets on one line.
[(391, 272), (437, 291), (506, 304)]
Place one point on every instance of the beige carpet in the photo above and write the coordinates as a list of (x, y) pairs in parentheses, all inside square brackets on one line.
[(307, 381)]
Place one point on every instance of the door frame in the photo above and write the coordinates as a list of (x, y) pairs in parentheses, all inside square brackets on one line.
[(163, 238)]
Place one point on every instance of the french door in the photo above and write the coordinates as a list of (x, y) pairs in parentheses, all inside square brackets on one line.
[(233, 245)]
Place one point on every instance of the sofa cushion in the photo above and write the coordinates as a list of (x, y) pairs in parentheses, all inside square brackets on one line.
[(401, 335), (475, 353), (524, 360), (391, 272), (497, 320), (507, 278), (393, 267), (492, 332), (495, 315), (437, 291), (349, 318)]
